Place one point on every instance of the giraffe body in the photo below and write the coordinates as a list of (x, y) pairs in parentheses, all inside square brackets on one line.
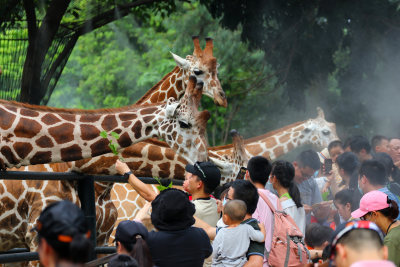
[(30, 197)]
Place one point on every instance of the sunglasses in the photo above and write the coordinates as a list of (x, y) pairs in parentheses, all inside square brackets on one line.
[(200, 169)]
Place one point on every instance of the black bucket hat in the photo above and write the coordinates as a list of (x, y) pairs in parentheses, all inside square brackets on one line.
[(172, 210), (60, 222), (207, 171), (128, 231)]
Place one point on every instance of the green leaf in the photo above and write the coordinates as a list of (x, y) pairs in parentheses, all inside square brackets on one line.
[(113, 149), (115, 135), (103, 134), (325, 195)]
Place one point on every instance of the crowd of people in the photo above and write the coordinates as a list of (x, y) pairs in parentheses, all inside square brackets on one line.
[(337, 207)]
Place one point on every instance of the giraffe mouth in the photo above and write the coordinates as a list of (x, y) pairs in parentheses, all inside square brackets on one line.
[(220, 98)]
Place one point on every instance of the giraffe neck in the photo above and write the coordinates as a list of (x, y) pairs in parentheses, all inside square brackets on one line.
[(172, 85), (272, 144), (35, 134)]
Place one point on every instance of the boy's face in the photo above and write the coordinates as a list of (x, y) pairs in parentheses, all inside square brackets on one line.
[(335, 152), (191, 183), (383, 147)]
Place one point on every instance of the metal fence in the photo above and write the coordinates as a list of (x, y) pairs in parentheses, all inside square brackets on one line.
[(87, 198)]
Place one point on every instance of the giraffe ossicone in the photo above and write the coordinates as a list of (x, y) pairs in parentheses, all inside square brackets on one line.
[(38, 134)]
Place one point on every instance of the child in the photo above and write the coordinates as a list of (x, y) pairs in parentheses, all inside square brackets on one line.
[(231, 243)]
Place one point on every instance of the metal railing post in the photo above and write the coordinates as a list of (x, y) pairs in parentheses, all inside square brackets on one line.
[(86, 195)]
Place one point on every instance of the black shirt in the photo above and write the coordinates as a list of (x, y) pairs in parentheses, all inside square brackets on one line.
[(184, 248)]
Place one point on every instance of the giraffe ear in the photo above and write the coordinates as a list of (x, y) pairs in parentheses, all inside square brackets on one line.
[(181, 62), (172, 106)]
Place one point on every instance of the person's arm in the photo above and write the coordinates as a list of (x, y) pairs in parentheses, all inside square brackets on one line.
[(316, 194), (140, 187), (254, 261), (210, 231), (256, 235), (331, 184), (143, 213), (307, 208), (262, 230)]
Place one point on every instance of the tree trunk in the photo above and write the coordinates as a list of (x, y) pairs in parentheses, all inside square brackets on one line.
[(31, 86)]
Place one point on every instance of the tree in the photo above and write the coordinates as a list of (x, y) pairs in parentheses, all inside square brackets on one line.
[(51, 20), (116, 64), (336, 52)]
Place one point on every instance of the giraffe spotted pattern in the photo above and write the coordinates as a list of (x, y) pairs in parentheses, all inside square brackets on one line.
[(38, 134)]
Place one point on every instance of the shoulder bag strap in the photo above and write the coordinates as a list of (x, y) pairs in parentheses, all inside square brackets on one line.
[(266, 200)]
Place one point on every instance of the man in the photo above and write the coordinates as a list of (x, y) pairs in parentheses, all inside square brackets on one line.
[(359, 243), (305, 165), (201, 179), (394, 150), (360, 146), (380, 144), (372, 176), (243, 190)]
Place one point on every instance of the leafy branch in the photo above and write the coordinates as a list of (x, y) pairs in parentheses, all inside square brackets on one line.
[(161, 187), (113, 146)]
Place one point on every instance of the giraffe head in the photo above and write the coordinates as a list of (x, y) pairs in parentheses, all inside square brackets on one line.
[(229, 165), (203, 65), (185, 126), (318, 131)]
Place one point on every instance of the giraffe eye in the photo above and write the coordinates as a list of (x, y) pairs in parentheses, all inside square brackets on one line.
[(326, 132), (198, 72), (307, 130), (184, 125)]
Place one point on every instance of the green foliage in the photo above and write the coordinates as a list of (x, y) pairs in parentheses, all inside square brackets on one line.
[(117, 64), (161, 187), (113, 146)]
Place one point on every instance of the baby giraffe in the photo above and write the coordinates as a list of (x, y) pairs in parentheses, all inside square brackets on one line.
[(231, 243)]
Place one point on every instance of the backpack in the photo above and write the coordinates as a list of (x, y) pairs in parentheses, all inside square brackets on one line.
[(287, 248)]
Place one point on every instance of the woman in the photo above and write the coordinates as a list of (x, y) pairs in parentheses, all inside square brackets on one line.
[(63, 235), (130, 239), (376, 207), (282, 175)]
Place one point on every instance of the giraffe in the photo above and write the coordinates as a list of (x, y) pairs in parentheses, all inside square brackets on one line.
[(128, 202), (18, 212), (276, 143), (201, 64), (153, 158), (112, 200), (37, 134), (273, 144), (29, 198)]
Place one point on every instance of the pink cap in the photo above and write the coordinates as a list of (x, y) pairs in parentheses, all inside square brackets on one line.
[(372, 201)]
